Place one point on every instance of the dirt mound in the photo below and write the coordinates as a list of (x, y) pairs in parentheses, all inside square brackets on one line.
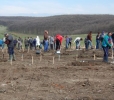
[(3, 60), (84, 63)]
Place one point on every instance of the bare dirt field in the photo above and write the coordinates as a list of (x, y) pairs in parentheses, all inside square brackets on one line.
[(74, 75)]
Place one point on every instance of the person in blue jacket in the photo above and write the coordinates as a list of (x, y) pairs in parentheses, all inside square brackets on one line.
[(106, 45), (1, 43)]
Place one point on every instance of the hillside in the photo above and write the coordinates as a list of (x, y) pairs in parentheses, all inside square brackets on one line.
[(64, 24)]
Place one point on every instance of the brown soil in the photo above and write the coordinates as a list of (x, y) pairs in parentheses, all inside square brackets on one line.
[(75, 75)]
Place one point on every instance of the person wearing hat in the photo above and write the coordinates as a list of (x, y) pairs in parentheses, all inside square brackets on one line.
[(10, 45)]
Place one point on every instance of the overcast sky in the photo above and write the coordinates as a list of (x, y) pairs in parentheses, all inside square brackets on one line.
[(55, 7)]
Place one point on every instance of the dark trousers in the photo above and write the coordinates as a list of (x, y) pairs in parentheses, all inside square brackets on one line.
[(77, 44), (97, 44), (11, 50), (69, 44), (57, 44), (51, 46), (105, 58)]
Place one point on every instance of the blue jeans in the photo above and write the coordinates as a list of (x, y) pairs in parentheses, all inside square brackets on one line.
[(105, 57), (77, 44), (86, 45), (66, 45), (46, 45), (97, 44), (89, 44)]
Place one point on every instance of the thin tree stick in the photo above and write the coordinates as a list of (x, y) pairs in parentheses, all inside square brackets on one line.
[(3, 56), (11, 61), (22, 57), (53, 59), (28, 49), (59, 57), (112, 54), (94, 56), (32, 60)]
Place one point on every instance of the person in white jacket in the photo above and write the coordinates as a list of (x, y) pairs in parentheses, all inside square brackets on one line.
[(37, 41), (77, 41)]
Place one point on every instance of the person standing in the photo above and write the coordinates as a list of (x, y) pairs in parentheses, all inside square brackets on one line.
[(85, 42), (89, 40), (106, 45), (15, 42), (1, 43), (67, 41), (101, 38), (46, 42), (113, 39), (98, 41), (51, 42), (38, 42), (10, 45), (19, 42), (70, 41), (26, 43), (31, 43)]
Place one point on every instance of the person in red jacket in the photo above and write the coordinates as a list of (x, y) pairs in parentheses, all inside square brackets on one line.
[(58, 39)]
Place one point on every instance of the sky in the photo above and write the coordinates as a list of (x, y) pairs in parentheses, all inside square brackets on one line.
[(43, 8)]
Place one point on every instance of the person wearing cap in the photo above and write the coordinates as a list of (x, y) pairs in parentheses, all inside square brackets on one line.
[(10, 45)]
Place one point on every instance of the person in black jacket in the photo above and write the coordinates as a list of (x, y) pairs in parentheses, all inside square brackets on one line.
[(98, 41), (10, 44)]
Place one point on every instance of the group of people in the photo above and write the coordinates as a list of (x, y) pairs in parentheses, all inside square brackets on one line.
[(28, 43), (103, 41), (49, 42), (52, 42)]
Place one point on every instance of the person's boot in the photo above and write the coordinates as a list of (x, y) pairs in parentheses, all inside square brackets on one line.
[(10, 57), (106, 59), (13, 57)]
